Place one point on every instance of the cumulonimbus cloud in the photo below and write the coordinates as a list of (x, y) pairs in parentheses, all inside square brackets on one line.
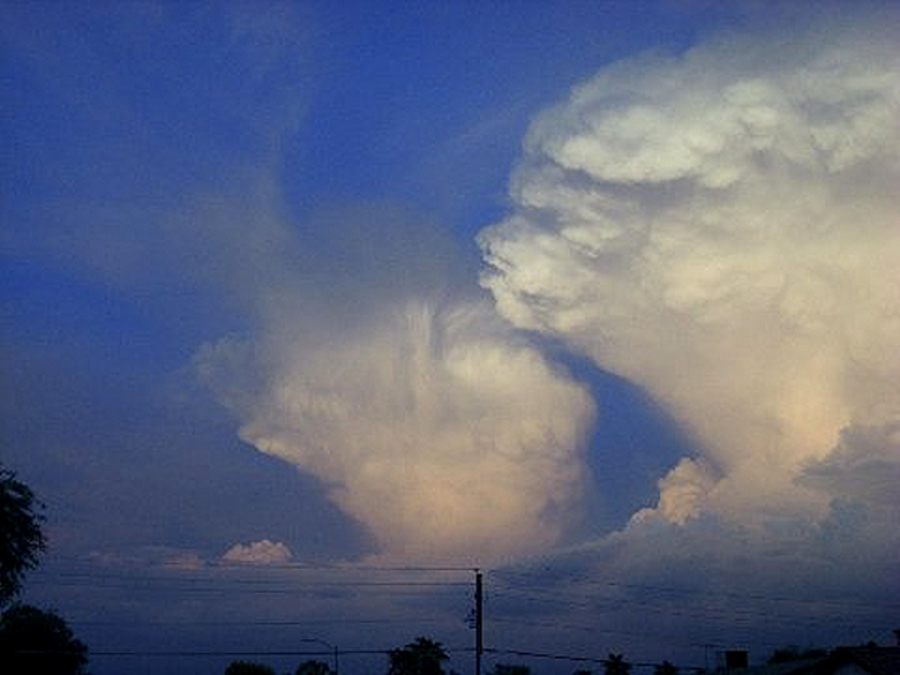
[(437, 429), (721, 227), (427, 417)]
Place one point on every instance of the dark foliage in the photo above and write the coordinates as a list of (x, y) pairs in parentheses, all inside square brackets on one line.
[(248, 668), (665, 668), (21, 537), (313, 667), (422, 657), (37, 641), (615, 665)]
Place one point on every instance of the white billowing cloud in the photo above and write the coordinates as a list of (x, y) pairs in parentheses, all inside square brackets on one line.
[(721, 227), (425, 415), (681, 492), (262, 552), (450, 438)]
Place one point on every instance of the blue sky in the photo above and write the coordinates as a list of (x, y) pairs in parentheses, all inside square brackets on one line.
[(599, 297)]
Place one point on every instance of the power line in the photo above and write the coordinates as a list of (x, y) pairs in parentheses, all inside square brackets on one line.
[(182, 578), (576, 585), (695, 607), (139, 584), (448, 621), (290, 566), (185, 578), (579, 659), (237, 653), (747, 617), (657, 600)]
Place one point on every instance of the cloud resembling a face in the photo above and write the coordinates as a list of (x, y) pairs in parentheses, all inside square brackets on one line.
[(720, 227), (430, 421)]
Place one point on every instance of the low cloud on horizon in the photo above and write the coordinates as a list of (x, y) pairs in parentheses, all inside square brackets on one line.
[(263, 552)]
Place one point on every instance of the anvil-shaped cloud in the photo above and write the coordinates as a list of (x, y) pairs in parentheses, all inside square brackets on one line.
[(721, 228)]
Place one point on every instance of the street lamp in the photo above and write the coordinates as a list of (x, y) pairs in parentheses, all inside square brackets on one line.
[(327, 645)]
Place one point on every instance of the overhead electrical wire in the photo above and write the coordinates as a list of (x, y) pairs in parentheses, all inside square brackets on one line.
[(502, 591), (576, 585)]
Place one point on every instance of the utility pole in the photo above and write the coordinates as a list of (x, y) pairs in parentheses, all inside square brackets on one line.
[(479, 641)]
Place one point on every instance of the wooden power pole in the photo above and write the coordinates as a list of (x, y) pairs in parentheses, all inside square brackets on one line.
[(479, 623)]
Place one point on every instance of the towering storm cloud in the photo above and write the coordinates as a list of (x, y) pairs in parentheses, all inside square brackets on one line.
[(424, 414), (721, 228)]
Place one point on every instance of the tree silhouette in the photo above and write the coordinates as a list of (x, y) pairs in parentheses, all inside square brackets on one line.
[(665, 668), (35, 641), (313, 667), (421, 657), (615, 665), (248, 668), (21, 537), (506, 669)]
